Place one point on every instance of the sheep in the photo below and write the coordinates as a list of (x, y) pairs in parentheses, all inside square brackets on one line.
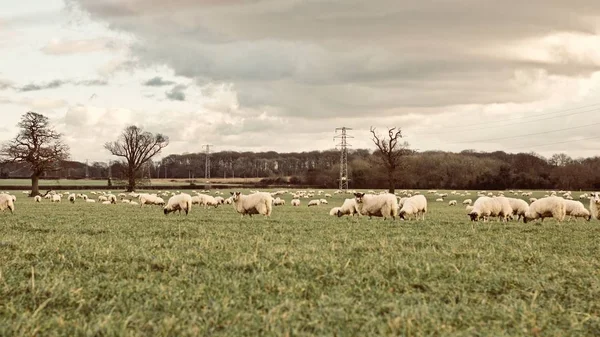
[(334, 211), (519, 207), (278, 202), (467, 202), (414, 206), (553, 206), (229, 201), (532, 200), (180, 202), (594, 203), (102, 198), (37, 198), (349, 207), (6, 202), (149, 199), (256, 203), (220, 200), (13, 197), (382, 205), (72, 198), (112, 198), (206, 200), (323, 202), (133, 203), (295, 202), (484, 207), (452, 203), (125, 201), (469, 208), (90, 200), (314, 202), (575, 209), (56, 198)]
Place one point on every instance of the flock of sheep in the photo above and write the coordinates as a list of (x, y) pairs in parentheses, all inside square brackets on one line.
[(404, 204)]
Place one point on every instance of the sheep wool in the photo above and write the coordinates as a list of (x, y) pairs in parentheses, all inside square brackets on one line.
[(576, 209), (415, 205), (256, 203), (180, 202), (381, 205), (6, 202), (550, 207), (349, 207), (295, 202), (594, 205)]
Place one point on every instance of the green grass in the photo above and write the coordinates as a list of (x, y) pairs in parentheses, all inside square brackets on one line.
[(113, 270)]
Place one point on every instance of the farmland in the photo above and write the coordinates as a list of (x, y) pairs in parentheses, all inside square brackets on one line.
[(92, 269)]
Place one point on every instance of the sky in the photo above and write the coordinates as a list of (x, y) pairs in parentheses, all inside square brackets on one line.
[(282, 75)]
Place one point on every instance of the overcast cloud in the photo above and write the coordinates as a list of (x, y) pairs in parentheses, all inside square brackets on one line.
[(283, 74)]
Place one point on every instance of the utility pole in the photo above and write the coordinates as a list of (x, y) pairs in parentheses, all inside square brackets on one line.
[(206, 148), (343, 146), (87, 172)]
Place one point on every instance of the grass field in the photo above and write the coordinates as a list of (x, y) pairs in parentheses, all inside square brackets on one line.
[(118, 270)]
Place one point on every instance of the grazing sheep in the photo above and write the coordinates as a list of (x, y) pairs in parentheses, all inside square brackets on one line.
[(382, 205), (314, 202), (551, 207), (256, 203), (6, 202), (220, 200), (416, 205), (72, 198), (278, 202), (467, 202), (229, 201), (334, 211), (102, 198), (112, 198), (206, 200), (469, 208), (149, 199), (484, 207), (37, 198), (180, 202), (519, 207), (439, 199), (90, 200), (532, 200), (13, 197), (575, 209), (295, 202), (594, 205), (452, 203), (349, 207), (323, 202), (133, 203), (125, 201), (107, 202), (56, 198)]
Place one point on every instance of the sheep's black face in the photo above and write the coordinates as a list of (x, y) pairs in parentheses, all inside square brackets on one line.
[(589, 217), (236, 195), (166, 211), (474, 216), (359, 197), (596, 198), (339, 213), (401, 215)]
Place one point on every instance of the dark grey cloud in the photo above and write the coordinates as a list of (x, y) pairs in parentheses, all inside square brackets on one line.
[(59, 83), (157, 82), (177, 93)]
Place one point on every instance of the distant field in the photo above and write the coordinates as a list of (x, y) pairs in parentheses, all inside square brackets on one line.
[(91, 269), (89, 182)]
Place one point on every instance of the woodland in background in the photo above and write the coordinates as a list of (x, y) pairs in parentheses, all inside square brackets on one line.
[(424, 170)]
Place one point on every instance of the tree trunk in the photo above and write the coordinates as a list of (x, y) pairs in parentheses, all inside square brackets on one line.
[(35, 182), (391, 181), (131, 183)]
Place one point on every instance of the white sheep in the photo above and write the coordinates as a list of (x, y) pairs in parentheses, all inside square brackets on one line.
[(37, 198), (6, 202), (349, 207), (575, 209), (314, 202), (256, 203), (56, 198), (484, 207), (467, 202), (220, 200), (102, 198), (439, 200), (532, 200), (452, 203), (90, 200), (323, 202), (133, 203), (381, 205), (180, 202), (278, 202), (72, 198), (334, 211), (594, 205), (416, 205), (149, 199), (519, 207), (112, 198), (550, 207), (295, 202)]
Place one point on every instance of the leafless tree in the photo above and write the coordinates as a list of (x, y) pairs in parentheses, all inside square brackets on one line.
[(136, 147), (390, 152), (37, 145)]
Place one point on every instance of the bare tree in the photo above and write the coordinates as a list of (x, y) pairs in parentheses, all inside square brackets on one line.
[(38, 146), (390, 152), (136, 147)]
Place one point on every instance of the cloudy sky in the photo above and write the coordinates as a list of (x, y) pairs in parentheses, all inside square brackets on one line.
[(281, 75)]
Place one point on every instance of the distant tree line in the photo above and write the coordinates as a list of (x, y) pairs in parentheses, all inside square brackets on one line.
[(425, 170)]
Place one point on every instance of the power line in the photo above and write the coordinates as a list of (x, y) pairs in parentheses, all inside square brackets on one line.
[(555, 143), (343, 145), (525, 135), (494, 122)]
